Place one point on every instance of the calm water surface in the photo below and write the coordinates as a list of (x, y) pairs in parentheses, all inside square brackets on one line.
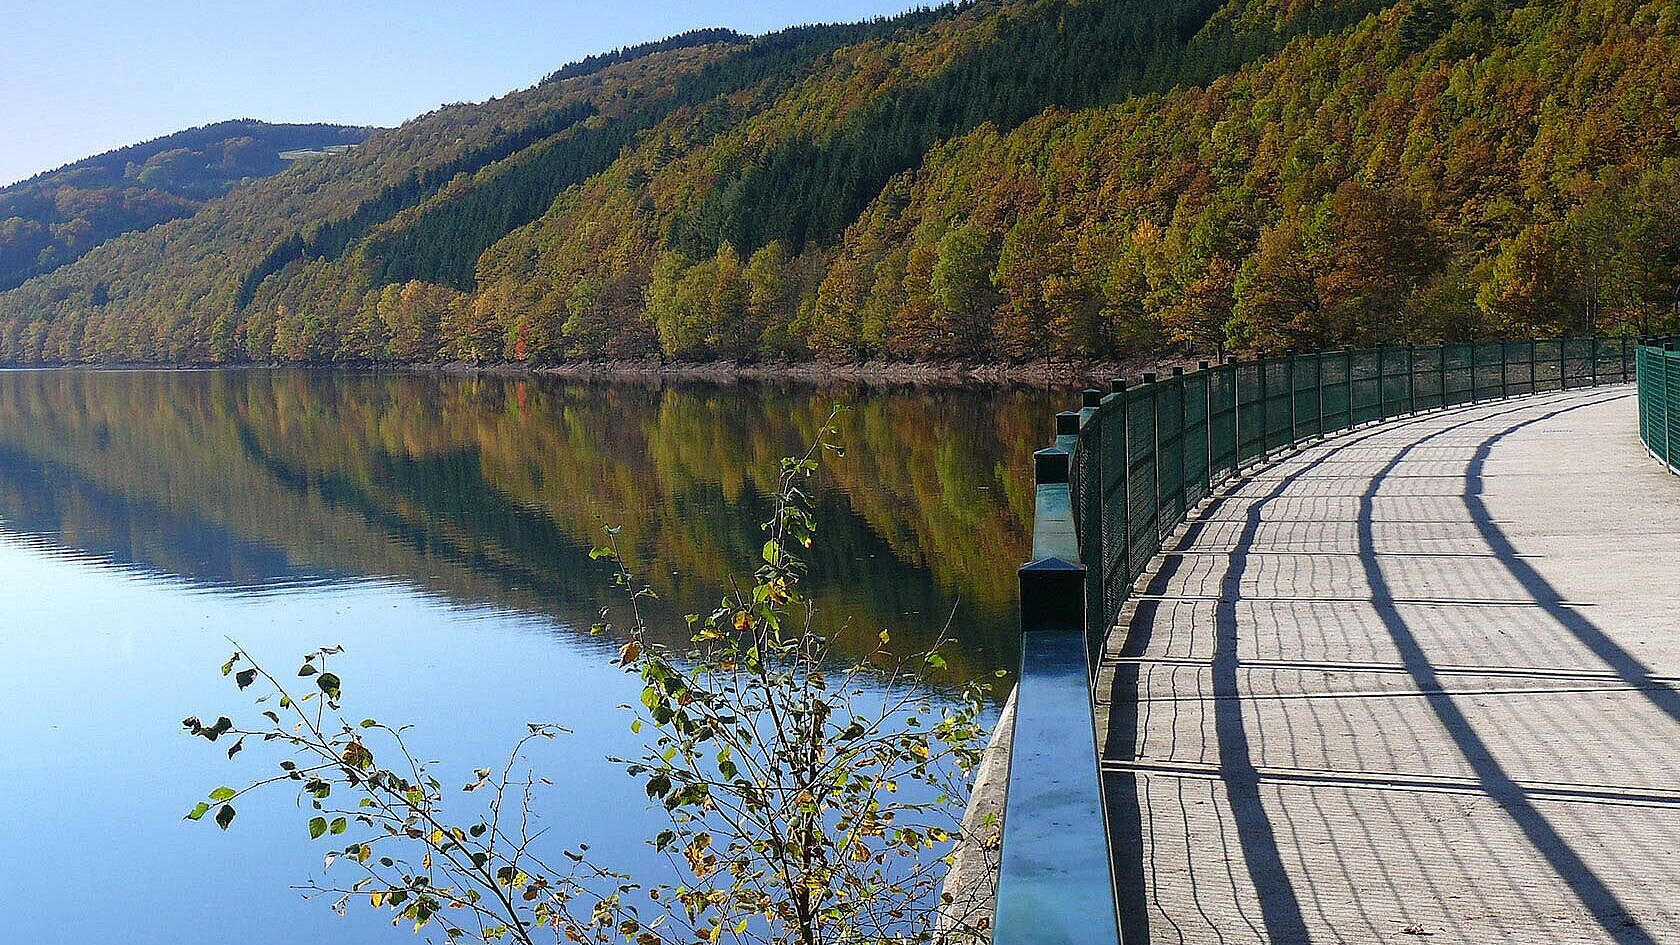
[(439, 529)]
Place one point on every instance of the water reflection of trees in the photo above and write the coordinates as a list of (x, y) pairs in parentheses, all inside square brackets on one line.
[(491, 490)]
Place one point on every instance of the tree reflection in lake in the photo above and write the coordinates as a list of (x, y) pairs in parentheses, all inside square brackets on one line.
[(490, 490), (439, 527)]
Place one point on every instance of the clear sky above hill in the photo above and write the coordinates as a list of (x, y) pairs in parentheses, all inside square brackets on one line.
[(80, 77)]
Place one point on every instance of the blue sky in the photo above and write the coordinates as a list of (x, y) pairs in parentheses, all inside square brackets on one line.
[(78, 77)]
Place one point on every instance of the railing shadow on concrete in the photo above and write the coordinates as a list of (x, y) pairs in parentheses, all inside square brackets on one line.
[(1128, 468)]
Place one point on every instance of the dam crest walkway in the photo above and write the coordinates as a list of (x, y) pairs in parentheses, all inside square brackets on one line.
[(1417, 682)]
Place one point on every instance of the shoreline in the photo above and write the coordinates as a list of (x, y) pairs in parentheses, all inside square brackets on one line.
[(1060, 374), (818, 373)]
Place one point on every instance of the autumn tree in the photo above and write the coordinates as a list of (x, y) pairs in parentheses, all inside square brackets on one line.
[(962, 288), (1379, 249), (1527, 279), (731, 329), (772, 301), (587, 325), (1276, 303), (1025, 264), (1199, 317)]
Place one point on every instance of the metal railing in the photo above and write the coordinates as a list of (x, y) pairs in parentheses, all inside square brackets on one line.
[(1658, 369), (1129, 467)]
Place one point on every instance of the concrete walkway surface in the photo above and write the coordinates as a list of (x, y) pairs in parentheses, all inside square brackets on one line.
[(1417, 683)]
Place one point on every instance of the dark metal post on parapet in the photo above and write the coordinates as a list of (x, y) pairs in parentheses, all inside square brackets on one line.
[(1056, 881)]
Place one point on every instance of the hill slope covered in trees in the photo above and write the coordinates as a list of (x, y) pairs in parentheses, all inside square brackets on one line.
[(992, 180), (55, 217)]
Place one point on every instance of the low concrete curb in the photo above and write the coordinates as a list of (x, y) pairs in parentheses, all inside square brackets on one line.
[(969, 895)]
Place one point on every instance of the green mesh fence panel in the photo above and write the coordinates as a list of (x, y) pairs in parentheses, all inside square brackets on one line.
[(1457, 382), (1333, 368), (1658, 375), (1115, 579), (1426, 380), (1085, 478), (1548, 365), (1143, 528), (1197, 451), (1275, 374), (1519, 370), (1612, 360), (1251, 411), (1169, 446), (1309, 419), (1578, 361), (1149, 454), (1365, 385), (1487, 370), (1222, 423)]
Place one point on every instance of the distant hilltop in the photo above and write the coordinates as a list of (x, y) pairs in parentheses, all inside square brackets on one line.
[(989, 181), (54, 218)]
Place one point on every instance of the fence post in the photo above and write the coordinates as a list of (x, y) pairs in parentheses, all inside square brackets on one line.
[(1119, 388), (1347, 381), (1318, 385), (1207, 426), (1533, 369), (1236, 414), (1155, 446), (1294, 420), (1440, 384), (1593, 371), (1382, 378), (1563, 364), (1411, 379), (1183, 481), (1265, 412), (1090, 402)]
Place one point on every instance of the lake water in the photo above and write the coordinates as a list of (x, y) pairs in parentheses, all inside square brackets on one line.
[(438, 528)]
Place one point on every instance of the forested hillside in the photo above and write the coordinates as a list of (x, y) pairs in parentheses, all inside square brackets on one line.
[(997, 180), (55, 217)]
